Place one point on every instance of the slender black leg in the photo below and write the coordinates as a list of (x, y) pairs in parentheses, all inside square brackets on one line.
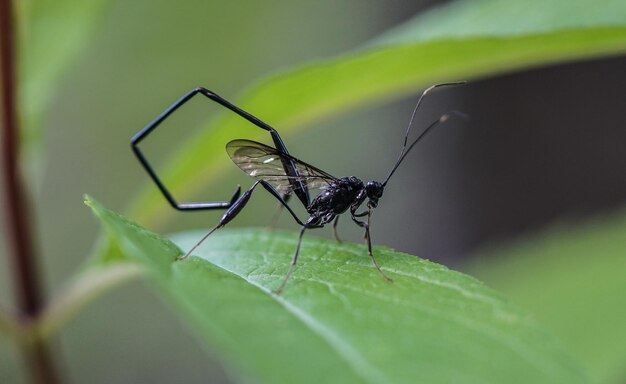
[(299, 187), (278, 210), (366, 225), (305, 225), (268, 187), (237, 206), (294, 261), (230, 214), (335, 229)]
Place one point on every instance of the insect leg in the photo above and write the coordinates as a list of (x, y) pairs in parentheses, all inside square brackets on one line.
[(230, 214), (278, 210), (366, 225), (335, 229), (305, 225), (299, 187), (141, 135), (281, 200), (293, 262)]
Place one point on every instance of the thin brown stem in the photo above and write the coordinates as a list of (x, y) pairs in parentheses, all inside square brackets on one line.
[(27, 289)]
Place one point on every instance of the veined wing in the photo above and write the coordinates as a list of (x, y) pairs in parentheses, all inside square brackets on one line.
[(266, 163)]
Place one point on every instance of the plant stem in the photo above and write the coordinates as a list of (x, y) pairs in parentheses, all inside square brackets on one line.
[(84, 289), (23, 261)]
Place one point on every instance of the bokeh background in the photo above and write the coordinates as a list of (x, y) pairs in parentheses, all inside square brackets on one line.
[(542, 147)]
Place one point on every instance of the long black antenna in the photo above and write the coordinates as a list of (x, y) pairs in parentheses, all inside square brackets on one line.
[(404, 151)]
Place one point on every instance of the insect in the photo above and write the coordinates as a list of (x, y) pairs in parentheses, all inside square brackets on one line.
[(283, 175)]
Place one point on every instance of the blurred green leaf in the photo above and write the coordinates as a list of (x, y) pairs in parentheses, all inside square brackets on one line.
[(458, 41), (52, 33), (503, 18), (338, 320), (573, 279)]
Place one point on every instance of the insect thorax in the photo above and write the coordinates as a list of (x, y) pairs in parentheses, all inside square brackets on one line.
[(336, 199)]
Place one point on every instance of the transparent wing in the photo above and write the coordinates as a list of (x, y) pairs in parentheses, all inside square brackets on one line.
[(266, 163)]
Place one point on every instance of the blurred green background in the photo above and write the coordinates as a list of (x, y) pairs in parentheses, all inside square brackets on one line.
[(541, 147)]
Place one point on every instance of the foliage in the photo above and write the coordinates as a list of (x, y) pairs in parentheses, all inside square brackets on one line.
[(338, 318)]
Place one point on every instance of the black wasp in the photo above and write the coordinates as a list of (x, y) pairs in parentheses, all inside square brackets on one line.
[(283, 175)]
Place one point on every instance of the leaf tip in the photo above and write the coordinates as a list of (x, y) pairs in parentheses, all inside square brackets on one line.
[(90, 201)]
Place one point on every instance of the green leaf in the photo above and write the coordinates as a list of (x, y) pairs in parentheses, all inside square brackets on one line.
[(572, 279), (458, 41), (338, 320)]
